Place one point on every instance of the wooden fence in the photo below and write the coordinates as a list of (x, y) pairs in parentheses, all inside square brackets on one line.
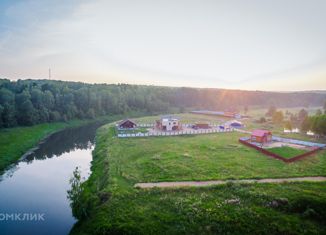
[(276, 156)]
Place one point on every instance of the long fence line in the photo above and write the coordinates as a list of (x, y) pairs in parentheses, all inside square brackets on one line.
[(299, 142), (174, 133), (246, 142), (213, 125)]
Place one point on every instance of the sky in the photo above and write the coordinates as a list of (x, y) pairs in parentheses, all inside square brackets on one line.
[(275, 45)]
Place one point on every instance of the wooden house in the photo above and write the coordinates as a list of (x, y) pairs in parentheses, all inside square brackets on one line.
[(261, 136), (127, 124)]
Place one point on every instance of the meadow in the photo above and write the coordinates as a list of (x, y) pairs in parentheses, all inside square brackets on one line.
[(287, 152), (110, 204)]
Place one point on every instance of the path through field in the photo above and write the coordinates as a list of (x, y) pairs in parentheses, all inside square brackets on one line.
[(219, 182)]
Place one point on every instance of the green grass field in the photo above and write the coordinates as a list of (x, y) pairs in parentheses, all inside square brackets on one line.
[(114, 206), (287, 152), (200, 157)]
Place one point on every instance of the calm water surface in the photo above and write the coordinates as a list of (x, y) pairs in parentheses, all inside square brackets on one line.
[(38, 185)]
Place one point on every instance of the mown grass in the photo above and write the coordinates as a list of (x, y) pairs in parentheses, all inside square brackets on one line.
[(114, 206), (286, 151), (298, 208), (200, 157)]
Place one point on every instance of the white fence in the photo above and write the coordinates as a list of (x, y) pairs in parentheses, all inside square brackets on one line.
[(174, 133), (213, 125)]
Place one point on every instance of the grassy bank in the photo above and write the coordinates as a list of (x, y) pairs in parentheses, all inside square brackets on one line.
[(14, 142), (114, 206)]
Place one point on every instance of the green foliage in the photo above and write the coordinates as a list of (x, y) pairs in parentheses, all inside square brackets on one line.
[(278, 117), (319, 112), (262, 120), (318, 124), (271, 110), (29, 102), (74, 194), (305, 125), (288, 125), (302, 115)]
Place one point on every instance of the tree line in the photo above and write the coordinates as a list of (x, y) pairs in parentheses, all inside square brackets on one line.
[(315, 123), (29, 102)]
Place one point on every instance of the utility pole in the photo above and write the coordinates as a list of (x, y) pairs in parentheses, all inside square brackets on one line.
[(49, 73)]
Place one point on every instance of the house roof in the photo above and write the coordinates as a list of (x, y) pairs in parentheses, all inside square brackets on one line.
[(169, 118), (260, 133), (126, 120)]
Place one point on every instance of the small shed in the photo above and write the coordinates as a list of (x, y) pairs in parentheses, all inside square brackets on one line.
[(201, 126), (261, 136), (234, 124), (127, 124)]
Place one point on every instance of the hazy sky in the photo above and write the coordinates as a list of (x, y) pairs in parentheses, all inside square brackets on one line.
[(252, 44)]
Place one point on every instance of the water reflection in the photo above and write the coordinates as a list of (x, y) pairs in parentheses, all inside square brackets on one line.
[(64, 142), (39, 183)]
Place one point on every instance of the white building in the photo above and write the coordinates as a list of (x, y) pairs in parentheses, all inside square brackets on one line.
[(169, 124)]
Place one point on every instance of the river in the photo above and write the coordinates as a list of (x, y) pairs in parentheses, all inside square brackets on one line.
[(33, 192)]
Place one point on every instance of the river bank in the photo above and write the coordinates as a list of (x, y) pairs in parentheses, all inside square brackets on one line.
[(18, 142)]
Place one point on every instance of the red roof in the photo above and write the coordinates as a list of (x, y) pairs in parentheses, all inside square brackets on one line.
[(261, 133), (124, 121)]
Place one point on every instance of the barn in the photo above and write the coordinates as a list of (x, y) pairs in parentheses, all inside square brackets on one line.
[(261, 136), (127, 124)]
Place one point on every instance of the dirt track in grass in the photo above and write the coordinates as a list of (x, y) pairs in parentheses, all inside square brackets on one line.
[(219, 182)]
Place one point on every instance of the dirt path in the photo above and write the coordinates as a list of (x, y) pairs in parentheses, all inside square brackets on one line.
[(219, 182)]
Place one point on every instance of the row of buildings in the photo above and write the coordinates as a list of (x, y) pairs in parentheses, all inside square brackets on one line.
[(170, 123)]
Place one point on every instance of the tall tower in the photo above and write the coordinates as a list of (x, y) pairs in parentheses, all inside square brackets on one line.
[(49, 73)]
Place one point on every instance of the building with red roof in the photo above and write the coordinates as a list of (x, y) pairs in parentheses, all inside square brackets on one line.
[(261, 136)]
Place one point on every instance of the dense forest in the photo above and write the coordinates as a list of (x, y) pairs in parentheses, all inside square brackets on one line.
[(28, 102)]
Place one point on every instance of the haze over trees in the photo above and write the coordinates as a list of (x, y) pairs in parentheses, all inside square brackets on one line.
[(29, 102)]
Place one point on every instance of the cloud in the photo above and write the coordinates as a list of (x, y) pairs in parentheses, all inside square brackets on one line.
[(227, 44)]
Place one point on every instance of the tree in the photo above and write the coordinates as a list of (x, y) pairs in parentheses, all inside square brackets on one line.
[(27, 115), (27, 102), (318, 124), (91, 114), (278, 117), (1, 111), (319, 112), (288, 125), (271, 110), (305, 125), (9, 115), (54, 116), (302, 115), (262, 120), (75, 195)]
